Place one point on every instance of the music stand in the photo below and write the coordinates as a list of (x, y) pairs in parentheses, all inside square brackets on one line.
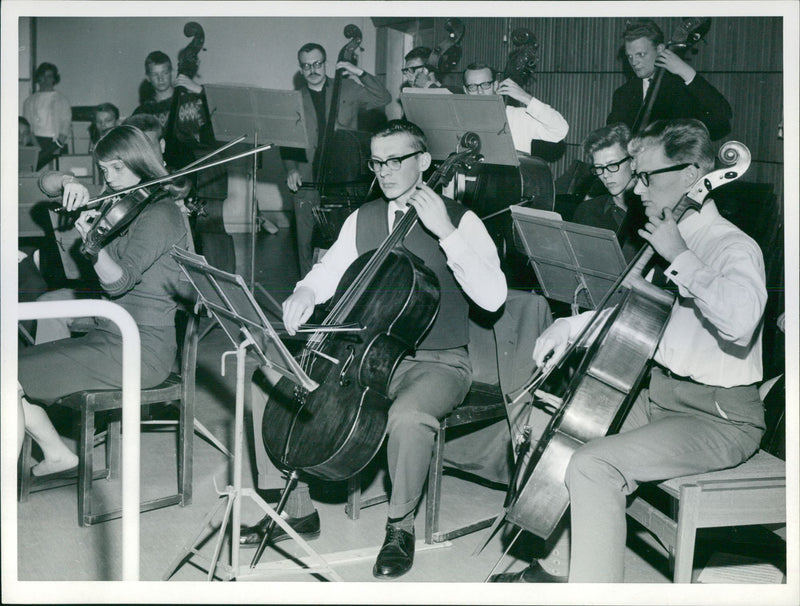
[(262, 114), (574, 263), (226, 297), (445, 118)]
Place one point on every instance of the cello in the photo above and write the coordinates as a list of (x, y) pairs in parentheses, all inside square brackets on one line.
[(609, 374), (335, 431)]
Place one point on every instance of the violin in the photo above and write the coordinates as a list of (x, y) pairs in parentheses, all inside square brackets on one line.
[(123, 206), (117, 214)]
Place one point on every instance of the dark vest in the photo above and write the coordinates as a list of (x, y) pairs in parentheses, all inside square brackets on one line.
[(450, 329)]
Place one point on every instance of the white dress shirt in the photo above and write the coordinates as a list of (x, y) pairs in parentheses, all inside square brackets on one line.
[(470, 251), (713, 335), (536, 121)]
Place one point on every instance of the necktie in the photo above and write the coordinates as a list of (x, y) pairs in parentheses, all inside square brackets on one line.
[(398, 214)]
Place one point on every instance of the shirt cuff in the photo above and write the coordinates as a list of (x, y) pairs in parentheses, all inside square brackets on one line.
[(683, 267), (454, 245)]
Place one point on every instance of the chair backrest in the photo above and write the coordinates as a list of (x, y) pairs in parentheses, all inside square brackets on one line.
[(188, 357)]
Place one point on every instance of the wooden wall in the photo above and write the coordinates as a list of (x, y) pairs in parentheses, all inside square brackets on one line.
[(580, 66)]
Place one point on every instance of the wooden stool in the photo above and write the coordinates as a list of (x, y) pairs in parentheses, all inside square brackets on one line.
[(751, 493)]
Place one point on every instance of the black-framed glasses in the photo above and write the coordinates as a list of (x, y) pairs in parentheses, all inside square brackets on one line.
[(392, 163), (473, 88), (408, 71), (613, 167), (644, 176), (307, 67)]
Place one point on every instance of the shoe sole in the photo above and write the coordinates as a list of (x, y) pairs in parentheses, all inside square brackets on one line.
[(283, 537)]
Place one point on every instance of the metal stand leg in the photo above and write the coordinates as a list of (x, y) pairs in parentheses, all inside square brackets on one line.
[(232, 504)]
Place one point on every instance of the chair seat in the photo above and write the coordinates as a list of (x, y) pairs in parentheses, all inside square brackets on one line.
[(110, 399), (483, 402), (760, 466)]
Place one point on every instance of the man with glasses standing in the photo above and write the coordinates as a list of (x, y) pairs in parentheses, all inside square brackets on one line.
[(534, 120), (431, 381), (619, 209), (701, 410), (300, 164)]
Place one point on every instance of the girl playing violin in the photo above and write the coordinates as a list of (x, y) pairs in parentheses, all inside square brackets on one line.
[(137, 272)]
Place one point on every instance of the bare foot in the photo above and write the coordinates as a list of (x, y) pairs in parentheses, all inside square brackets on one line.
[(50, 466)]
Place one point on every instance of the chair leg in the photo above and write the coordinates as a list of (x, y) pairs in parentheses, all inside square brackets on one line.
[(85, 466), (24, 468), (353, 507), (185, 451), (113, 449), (686, 533), (433, 504)]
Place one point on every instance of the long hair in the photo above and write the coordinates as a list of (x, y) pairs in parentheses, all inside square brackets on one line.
[(131, 146), (134, 149)]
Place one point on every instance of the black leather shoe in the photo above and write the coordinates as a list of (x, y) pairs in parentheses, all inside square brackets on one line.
[(397, 554), (307, 527), (532, 574)]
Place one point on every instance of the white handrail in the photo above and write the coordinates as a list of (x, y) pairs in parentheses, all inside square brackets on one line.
[(131, 380)]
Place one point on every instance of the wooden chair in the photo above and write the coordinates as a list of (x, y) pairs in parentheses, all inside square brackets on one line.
[(525, 315), (484, 402), (751, 493), (178, 388)]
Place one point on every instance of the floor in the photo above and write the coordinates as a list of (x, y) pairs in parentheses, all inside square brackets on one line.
[(53, 548)]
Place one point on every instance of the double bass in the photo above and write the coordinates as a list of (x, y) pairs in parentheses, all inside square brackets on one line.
[(685, 37), (608, 376), (334, 432), (340, 164)]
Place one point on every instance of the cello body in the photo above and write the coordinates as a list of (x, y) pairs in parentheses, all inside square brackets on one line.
[(600, 395), (609, 376), (336, 430)]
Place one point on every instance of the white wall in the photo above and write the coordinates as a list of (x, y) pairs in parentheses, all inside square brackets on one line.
[(101, 59)]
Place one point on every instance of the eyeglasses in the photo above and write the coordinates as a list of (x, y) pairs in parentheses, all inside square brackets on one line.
[(407, 71), (307, 67), (611, 168), (473, 88), (644, 177), (393, 164)]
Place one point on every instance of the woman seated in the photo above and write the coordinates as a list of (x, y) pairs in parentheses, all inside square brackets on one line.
[(136, 271)]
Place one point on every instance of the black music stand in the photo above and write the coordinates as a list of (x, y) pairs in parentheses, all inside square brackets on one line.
[(226, 297), (263, 114), (445, 118), (574, 263)]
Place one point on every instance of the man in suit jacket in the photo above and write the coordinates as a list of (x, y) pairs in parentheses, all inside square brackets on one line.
[(683, 92), (366, 93)]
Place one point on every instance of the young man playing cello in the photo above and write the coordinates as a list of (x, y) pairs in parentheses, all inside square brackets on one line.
[(433, 380), (701, 410)]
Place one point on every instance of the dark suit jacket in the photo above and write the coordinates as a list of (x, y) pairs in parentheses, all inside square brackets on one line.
[(352, 98), (675, 99)]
